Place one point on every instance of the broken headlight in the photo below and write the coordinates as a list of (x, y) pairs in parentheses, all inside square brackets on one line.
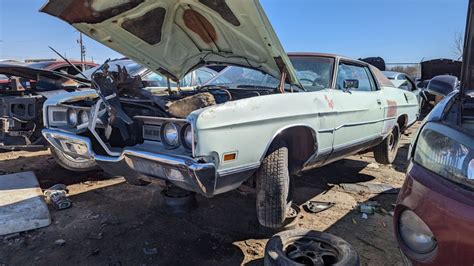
[(447, 152)]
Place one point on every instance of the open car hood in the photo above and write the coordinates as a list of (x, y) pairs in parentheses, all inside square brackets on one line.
[(173, 37)]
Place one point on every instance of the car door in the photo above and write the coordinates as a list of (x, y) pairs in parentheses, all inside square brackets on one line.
[(410, 86), (359, 119)]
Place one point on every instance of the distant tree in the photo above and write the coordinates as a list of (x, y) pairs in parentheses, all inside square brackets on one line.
[(411, 71), (458, 46)]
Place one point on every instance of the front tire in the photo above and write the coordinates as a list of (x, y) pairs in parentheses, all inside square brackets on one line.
[(73, 164), (386, 152), (273, 186)]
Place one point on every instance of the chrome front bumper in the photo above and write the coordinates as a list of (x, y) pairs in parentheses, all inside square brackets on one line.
[(182, 171)]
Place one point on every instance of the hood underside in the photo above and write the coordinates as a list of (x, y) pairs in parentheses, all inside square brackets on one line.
[(173, 37)]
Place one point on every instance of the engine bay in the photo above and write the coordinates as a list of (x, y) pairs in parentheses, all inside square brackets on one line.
[(125, 98)]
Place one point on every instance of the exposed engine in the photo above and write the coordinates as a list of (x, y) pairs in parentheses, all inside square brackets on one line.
[(127, 97)]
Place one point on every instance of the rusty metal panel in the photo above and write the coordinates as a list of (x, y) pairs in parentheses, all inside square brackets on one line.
[(221, 7), (147, 27)]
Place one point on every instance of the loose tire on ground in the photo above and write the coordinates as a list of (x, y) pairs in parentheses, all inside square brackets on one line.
[(307, 247), (73, 164), (386, 152), (272, 186)]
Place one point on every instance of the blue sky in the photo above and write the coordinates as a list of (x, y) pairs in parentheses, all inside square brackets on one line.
[(399, 31)]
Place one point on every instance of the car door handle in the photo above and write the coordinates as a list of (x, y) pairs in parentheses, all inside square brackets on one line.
[(379, 101)]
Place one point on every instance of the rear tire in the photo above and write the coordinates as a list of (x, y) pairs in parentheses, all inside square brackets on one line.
[(273, 186), (386, 152), (73, 164)]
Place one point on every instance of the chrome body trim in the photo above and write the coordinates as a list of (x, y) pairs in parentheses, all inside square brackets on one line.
[(356, 124), (196, 176), (239, 169)]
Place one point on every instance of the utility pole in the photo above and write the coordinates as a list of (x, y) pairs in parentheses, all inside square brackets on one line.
[(82, 48)]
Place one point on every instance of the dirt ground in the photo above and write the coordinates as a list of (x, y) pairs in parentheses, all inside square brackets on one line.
[(114, 223)]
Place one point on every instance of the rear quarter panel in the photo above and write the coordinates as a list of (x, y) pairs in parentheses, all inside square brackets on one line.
[(399, 103)]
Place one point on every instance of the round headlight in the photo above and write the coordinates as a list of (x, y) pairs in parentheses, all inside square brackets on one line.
[(415, 234), (187, 136), (72, 117), (83, 117), (170, 134)]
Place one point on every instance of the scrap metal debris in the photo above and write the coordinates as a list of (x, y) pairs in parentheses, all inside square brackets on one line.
[(313, 206), (57, 195), (368, 188), (60, 242)]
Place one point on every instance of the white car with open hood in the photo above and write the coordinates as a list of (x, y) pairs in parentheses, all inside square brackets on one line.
[(265, 117)]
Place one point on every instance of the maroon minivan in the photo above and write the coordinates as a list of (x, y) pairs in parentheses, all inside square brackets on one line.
[(434, 216)]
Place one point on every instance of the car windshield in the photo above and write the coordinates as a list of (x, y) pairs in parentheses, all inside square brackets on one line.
[(132, 68), (314, 73), (234, 77)]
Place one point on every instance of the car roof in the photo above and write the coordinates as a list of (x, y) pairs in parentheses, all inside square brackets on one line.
[(335, 56)]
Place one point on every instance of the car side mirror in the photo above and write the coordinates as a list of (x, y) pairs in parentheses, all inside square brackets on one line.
[(351, 84), (442, 85)]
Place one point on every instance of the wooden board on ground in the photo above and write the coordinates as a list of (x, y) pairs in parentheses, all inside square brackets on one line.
[(22, 206)]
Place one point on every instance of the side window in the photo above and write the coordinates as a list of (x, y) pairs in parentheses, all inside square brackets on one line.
[(202, 77), (408, 86), (186, 81), (360, 73), (156, 80)]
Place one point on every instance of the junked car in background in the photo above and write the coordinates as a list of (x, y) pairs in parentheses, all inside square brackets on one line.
[(22, 95), (404, 82), (265, 117), (434, 215), (63, 66), (434, 68), (23, 90)]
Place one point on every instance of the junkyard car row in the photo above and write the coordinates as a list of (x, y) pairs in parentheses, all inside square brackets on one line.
[(205, 140), (209, 100)]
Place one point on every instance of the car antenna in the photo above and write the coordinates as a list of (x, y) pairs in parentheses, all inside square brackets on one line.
[(67, 61)]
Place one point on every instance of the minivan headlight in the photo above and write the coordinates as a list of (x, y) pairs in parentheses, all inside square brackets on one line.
[(446, 152), (415, 234)]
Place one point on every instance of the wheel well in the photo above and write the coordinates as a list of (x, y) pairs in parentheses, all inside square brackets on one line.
[(402, 122), (301, 142)]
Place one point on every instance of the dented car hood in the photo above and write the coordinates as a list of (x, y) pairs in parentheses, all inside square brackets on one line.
[(173, 37)]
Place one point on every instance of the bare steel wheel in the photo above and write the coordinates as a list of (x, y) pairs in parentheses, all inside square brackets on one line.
[(76, 164), (386, 152), (303, 247)]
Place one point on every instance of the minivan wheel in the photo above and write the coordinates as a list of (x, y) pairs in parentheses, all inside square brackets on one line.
[(386, 152), (308, 247), (273, 187), (76, 164)]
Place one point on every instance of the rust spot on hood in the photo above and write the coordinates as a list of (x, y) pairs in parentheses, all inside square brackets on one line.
[(200, 25), (82, 11)]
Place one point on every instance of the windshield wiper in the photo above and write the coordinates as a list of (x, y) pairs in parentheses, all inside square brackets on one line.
[(254, 87), (210, 86)]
